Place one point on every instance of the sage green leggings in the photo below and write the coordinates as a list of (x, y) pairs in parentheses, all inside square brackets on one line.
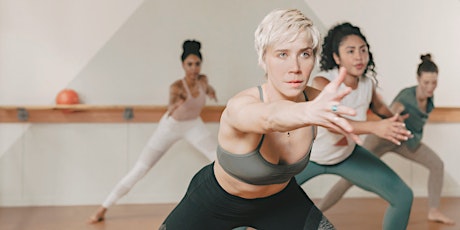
[(422, 155), (367, 171)]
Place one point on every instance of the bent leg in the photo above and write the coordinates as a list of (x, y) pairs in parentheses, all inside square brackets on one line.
[(334, 195), (290, 209), (206, 205), (430, 160), (376, 146), (200, 138), (370, 173), (161, 140), (425, 156), (313, 169)]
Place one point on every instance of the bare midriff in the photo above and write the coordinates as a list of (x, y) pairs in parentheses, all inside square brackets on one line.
[(244, 190)]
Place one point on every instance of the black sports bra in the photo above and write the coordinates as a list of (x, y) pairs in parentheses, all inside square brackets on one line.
[(252, 168)]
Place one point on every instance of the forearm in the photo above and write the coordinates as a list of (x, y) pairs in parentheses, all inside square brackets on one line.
[(379, 107), (288, 116), (383, 112), (280, 116)]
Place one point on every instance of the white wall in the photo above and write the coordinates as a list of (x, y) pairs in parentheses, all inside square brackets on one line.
[(128, 53), (399, 32)]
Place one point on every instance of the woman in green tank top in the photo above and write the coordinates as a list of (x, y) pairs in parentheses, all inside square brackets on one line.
[(417, 101)]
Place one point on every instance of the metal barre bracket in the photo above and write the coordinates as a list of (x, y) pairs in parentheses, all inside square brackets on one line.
[(128, 114), (22, 114)]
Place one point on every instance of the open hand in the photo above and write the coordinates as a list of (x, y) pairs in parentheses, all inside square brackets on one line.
[(328, 112)]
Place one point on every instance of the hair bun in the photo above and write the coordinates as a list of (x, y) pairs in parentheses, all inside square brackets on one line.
[(427, 65), (425, 57), (192, 46)]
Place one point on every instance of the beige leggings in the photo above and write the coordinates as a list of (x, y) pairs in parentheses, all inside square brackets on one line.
[(168, 132), (378, 146)]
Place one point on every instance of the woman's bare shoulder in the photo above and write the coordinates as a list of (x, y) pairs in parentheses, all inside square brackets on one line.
[(240, 99), (249, 93), (202, 77), (177, 84)]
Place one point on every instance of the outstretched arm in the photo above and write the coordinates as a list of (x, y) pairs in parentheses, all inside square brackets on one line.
[(247, 114), (391, 128)]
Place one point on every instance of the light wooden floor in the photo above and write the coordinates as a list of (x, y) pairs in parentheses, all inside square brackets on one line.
[(348, 214)]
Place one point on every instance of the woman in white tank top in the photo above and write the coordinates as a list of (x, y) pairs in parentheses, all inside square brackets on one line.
[(332, 153), (182, 121)]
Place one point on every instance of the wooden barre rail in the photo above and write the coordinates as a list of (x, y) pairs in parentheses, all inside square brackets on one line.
[(140, 113), (94, 113)]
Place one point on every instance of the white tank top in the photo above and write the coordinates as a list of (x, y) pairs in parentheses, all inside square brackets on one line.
[(330, 148), (192, 106)]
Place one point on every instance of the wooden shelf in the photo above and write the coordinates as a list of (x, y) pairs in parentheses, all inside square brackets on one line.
[(141, 113)]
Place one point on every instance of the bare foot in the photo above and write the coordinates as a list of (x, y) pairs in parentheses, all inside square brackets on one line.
[(98, 216), (437, 216)]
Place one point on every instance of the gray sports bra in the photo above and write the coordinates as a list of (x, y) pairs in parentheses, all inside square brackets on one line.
[(252, 168)]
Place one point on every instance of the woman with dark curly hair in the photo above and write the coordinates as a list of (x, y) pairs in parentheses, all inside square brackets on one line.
[(187, 97), (333, 153), (417, 101)]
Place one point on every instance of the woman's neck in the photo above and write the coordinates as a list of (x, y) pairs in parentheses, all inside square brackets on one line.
[(419, 95), (191, 81), (421, 99)]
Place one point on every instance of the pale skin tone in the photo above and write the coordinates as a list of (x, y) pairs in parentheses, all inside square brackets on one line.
[(427, 83), (354, 56), (177, 96), (288, 66)]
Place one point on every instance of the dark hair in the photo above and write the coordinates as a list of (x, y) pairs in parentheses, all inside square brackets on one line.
[(427, 65), (332, 42), (191, 47)]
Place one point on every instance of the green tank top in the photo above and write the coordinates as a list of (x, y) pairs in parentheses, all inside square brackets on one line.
[(252, 168), (417, 118)]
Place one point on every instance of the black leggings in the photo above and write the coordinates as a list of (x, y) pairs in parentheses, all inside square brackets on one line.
[(206, 205)]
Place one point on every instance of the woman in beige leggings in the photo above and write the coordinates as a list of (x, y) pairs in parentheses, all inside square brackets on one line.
[(418, 102), (181, 121)]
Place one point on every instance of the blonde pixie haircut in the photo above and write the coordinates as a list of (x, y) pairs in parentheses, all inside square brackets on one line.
[(284, 25)]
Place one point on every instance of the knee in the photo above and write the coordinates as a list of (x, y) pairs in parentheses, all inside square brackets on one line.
[(404, 196), (437, 166), (407, 193), (139, 170)]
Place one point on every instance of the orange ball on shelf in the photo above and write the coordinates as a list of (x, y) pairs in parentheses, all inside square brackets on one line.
[(67, 97)]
